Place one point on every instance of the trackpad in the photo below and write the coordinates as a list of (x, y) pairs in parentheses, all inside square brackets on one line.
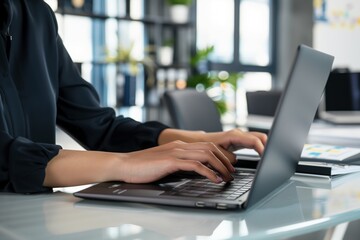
[(141, 192)]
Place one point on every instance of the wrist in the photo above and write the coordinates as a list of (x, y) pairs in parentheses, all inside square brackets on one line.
[(116, 168)]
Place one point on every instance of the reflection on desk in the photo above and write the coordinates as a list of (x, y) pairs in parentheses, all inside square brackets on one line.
[(297, 209), (346, 135)]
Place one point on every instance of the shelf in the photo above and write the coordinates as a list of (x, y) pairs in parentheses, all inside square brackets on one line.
[(175, 65), (157, 28), (146, 20)]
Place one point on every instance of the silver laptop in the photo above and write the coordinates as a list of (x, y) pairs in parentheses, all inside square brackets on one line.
[(341, 101), (293, 118)]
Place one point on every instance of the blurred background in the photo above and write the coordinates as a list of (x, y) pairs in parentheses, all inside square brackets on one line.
[(134, 50)]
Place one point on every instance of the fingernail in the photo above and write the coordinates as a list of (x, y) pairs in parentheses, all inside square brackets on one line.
[(219, 179)]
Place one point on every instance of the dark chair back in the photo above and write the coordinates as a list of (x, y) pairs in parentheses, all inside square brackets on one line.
[(263, 102), (192, 110)]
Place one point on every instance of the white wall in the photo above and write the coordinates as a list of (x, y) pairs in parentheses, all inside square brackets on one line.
[(337, 31)]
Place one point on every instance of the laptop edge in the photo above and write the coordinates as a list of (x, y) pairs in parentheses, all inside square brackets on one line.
[(293, 118)]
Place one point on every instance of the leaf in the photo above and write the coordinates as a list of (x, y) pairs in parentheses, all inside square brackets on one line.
[(200, 55)]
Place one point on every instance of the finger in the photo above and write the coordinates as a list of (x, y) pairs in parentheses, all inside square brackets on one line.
[(206, 146), (225, 157), (206, 157), (229, 155), (198, 167), (228, 158), (250, 140), (181, 149), (263, 137)]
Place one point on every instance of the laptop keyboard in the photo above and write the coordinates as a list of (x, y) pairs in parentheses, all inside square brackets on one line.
[(204, 188)]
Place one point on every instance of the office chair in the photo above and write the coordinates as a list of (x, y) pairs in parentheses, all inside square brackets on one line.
[(192, 110), (263, 102)]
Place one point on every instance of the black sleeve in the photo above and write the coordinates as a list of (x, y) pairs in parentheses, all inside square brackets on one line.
[(95, 127), (23, 164)]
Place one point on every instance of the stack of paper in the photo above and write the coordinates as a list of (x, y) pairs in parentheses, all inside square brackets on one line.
[(316, 159), (328, 153), (326, 169)]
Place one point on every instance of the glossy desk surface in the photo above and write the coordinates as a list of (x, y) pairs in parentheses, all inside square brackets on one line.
[(320, 131), (301, 207)]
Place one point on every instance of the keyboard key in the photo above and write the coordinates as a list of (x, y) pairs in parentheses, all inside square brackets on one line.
[(205, 189)]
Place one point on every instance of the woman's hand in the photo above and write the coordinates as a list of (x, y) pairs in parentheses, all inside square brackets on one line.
[(149, 165), (71, 167), (235, 139), (208, 154), (227, 142)]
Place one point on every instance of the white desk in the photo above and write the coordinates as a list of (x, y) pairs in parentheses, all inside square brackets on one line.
[(346, 135), (320, 131), (296, 210)]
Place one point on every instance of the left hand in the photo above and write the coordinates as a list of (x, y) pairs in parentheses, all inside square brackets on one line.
[(235, 139), (227, 141)]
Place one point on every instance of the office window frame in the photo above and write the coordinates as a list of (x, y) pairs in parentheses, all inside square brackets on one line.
[(236, 65)]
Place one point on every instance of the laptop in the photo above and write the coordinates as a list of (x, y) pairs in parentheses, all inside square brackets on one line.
[(286, 139), (341, 101)]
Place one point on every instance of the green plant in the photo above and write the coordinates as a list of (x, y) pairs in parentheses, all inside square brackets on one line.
[(201, 55), (196, 78), (168, 42), (179, 2), (221, 80), (124, 55)]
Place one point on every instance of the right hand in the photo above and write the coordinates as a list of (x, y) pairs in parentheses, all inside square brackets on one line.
[(155, 163)]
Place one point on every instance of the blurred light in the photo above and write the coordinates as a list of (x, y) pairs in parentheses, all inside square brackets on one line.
[(113, 232), (200, 88), (254, 81), (78, 3), (223, 231), (297, 226), (181, 84), (223, 75)]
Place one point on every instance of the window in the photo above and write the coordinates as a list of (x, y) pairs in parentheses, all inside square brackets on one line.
[(254, 31), (215, 27), (243, 35)]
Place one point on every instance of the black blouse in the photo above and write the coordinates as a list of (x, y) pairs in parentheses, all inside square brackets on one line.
[(40, 88)]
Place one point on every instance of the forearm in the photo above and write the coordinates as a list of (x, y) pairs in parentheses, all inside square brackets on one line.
[(70, 168)]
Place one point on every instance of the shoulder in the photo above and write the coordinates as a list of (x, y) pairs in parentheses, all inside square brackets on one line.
[(41, 13), (39, 9), (37, 5)]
